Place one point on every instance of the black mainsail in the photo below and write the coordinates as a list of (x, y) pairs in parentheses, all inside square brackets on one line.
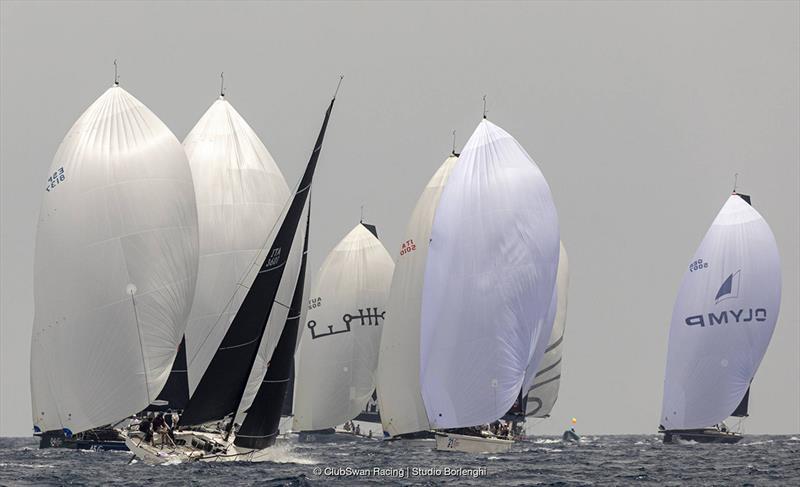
[(741, 409), (260, 426), (223, 384), (175, 394)]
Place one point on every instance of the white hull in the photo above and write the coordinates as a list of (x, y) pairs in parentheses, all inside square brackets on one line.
[(413, 442), (471, 444), (226, 451)]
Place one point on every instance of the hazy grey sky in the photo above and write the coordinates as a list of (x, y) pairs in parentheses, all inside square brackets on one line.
[(639, 114)]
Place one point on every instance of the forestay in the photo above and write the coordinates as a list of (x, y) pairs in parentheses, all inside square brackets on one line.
[(489, 279), (116, 264), (338, 350), (240, 196), (399, 393), (544, 392), (723, 319)]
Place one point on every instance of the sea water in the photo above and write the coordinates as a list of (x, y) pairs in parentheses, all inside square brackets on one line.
[(598, 460)]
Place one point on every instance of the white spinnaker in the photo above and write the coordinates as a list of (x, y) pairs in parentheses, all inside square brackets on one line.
[(119, 228), (544, 392), (399, 396), (736, 292), (489, 279), (240, 196), (335, 372)]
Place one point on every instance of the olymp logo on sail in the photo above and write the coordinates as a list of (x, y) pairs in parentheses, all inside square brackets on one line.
[(369, 318), (728, 290)]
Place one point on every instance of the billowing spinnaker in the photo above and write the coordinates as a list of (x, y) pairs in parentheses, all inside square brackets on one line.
[(489, 279), (723, 319), (338, 350), (116, 264), (240, 196), (399, 393), (544, 392)]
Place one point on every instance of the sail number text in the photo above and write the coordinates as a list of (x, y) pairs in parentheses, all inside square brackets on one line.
[(698, 265), (57, 177), (408, 246), (273, 257)]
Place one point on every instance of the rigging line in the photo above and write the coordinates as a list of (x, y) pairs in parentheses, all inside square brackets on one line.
[(141, 346), (341, 77), (735, 181)]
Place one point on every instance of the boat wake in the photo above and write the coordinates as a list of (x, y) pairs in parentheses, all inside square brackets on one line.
[(285, 453), (546, 441)]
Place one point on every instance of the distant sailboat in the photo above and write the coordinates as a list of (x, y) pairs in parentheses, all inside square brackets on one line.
[(472, 303), (338, 350), (722, 322), (116, 264), (220, 393)]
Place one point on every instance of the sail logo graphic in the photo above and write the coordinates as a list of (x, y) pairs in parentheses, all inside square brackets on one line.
[(729, 289), (369, 318)]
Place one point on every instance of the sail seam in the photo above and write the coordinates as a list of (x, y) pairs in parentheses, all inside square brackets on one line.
[(272, 268), (239, 345)]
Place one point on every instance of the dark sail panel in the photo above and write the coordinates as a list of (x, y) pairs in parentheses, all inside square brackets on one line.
[(741, 409), (371, 229), (288, 402), (221, 388), (176, 391), (745, 197), (260, 426)]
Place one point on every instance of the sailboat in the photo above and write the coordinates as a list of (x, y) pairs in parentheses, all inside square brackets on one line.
[(240, 196), (338, 349), (722, 322), (220, 393), (539, 401), (115, 271), (467, 320)]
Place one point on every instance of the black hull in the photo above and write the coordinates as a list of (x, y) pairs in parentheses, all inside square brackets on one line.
[(706, 435), (100, 439)]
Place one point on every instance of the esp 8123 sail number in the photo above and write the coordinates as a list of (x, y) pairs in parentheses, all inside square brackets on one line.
[(57, 177)]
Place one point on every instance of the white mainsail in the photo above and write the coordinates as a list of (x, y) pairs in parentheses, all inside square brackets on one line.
[(338, 350), (489, 279), (723, 319), (116, 265), (241, 194), (544, 392), (399, 396)]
